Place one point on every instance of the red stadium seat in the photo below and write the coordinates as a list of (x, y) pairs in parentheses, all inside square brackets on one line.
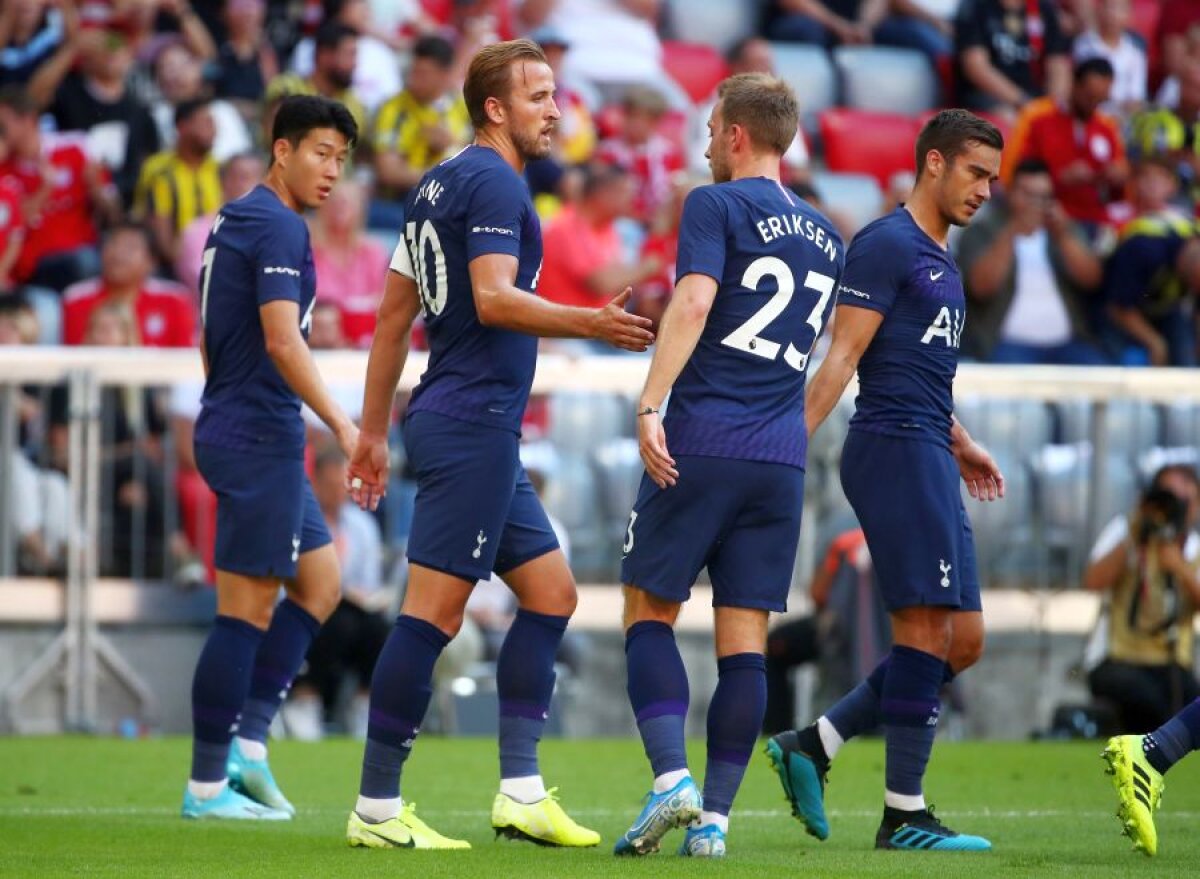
[(1146, 14), (878, 144), (696, 67)]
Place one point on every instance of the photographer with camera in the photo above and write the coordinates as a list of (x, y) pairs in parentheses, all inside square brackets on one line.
[(1148, 566)]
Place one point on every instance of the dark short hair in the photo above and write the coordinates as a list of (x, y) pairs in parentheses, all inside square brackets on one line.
[(299, 114), (1160, 161), (434, 48), (1095, 66), (598, 175), (127, 227), (185, 110), (951, 133), (227, 165), (1030, 167), (17, 99), (328, 456), (331, 34), (734, 53), (1185, 470), (765, 106)]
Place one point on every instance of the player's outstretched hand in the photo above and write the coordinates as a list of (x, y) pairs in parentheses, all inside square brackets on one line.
[(980, 472), (615, 325), (367, 473), (652, 443)]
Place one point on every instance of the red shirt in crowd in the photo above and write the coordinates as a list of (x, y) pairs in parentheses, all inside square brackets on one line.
[(65, 222), (164, 311), (11, 223), (665, 246), (653, 164), (1060, 140), (1177, 18), (574, 247)]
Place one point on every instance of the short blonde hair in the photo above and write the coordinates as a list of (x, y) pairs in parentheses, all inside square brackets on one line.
[(490, 75), (763, 105)]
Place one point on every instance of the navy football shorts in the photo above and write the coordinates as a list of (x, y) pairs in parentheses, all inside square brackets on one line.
[(475, 510), (906, 495), (741, 519), (267, 515)]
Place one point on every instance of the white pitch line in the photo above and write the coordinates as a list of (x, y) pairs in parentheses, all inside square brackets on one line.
[(158, 811)]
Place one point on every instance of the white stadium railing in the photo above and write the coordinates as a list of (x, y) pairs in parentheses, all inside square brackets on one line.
[(80, 646)]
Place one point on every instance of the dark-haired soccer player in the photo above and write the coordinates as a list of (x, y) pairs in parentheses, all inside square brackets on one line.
[(899, 321), (257, 289), (470, 258), (756, 273)]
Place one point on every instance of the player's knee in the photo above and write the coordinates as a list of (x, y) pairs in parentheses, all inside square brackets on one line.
[(966, 650)]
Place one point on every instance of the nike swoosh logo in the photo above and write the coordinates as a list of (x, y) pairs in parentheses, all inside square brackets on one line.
[(410, 844), (933, 276)]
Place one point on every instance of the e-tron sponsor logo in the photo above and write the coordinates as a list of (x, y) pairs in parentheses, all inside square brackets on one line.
[(492, 230), (281, 270)]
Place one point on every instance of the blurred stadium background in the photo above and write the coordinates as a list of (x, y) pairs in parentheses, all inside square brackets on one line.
[(146, 111)]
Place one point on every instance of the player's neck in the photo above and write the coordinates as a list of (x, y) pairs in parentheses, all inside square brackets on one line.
[(928, 218), (274, 183), (504, 146), (756, 166)]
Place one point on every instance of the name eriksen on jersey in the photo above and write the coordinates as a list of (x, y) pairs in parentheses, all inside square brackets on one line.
[(796, 224)]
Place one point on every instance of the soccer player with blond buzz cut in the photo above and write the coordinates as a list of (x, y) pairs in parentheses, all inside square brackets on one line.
[(899, 322), (755, 276), (469, 258)]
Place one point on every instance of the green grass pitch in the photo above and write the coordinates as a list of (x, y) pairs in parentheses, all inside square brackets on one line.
[(108, 808)]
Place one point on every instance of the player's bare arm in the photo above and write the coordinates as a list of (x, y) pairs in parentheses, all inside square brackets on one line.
[(681, 327), (500, 303), (289, 352), (979, 470), (853, 330), (368, 469)]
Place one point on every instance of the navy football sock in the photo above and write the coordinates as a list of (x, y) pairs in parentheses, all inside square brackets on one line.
[(279, 658), (910, 713), (219, 688), (400, 692), (525, 683), (658, 691), (1175, 739), (734, 719), (858, 711)]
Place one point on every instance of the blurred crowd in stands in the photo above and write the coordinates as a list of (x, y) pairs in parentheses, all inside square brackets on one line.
[(126, 124)]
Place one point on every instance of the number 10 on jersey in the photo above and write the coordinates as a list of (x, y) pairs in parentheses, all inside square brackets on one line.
[(433, 295)]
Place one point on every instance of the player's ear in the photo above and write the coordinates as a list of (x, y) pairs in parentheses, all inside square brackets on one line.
[(495, 110), (281, 150), (935, 163)]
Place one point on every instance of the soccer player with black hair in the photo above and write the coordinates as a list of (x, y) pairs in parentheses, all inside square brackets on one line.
[(257, 291), (898, 324)]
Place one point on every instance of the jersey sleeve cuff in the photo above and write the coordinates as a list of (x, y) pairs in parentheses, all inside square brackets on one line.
[(401, 262), (856, 302)]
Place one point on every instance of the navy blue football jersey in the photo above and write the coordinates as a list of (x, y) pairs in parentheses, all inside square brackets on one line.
[(906, 375), (472, 204), (258, 251), (778, 262)]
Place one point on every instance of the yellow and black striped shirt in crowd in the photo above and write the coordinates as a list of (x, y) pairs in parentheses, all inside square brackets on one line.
[(169, 186)]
